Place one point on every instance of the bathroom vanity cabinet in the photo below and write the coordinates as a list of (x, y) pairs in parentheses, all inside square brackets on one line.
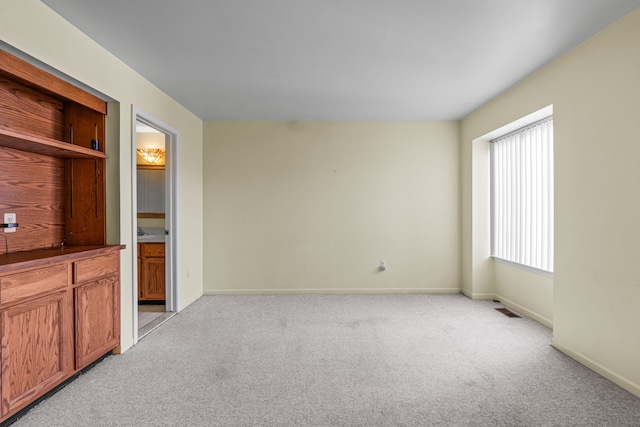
[(151, 272)]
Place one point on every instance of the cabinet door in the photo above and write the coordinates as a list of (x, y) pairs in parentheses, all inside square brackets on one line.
[(152, 283), (36, 349), (97, 309)]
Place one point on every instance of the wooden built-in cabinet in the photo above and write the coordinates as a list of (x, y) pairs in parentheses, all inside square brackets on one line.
[(59, 281), (151, 272)]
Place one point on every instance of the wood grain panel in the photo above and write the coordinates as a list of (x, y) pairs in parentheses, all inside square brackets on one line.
[(82, 125), (32, 187), (18, 69), (30, 283), (85, 210), (94, 268), (26, 110), (45, 257), (152, 249), (150, 215), (97, 313), (35, 356), (85, 215), (155, 272)]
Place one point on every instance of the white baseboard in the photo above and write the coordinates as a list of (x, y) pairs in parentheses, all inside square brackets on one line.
[(612, 376), (526, 312), (477, 296), (332, 291)]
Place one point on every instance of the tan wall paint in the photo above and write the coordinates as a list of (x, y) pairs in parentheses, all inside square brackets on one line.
[(527, 292), (314, 207), (112, 135), (482, 267), (594, 90), (33, 28), (151, 222)]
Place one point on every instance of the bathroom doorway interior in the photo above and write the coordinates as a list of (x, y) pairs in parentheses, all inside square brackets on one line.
[(155, 296)]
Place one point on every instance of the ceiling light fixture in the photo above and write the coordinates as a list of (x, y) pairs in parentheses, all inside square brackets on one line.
[(151, 155)]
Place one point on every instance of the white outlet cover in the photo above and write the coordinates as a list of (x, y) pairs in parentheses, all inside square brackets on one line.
[(9, 218)]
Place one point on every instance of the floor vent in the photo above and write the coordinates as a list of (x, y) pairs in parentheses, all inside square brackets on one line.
[(507, 312)]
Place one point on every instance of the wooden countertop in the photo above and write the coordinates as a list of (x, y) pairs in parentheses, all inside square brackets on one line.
[(39, 257)]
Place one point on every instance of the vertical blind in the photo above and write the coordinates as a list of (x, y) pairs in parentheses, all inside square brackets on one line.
[(522, 196)]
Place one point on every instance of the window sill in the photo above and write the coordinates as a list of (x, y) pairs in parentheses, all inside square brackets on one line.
[(544, 273)]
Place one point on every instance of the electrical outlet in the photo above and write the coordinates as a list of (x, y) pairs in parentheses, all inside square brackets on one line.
[(383, 265), (10, 218)]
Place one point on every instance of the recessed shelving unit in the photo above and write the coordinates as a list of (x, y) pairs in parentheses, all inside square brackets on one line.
[(59, 280)]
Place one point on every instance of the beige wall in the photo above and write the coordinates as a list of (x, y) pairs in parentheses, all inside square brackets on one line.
[(529, 293), (594, 91), (31, 27), (315, 206)]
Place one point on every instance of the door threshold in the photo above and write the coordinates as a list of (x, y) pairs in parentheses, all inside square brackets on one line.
[(146, 329)]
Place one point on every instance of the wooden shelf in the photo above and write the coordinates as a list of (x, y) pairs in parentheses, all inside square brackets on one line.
[(39, 144)]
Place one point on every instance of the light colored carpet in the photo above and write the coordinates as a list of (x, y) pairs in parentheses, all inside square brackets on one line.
[(341, 360)]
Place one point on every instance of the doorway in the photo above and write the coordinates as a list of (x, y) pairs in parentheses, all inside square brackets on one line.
[(154, 220)]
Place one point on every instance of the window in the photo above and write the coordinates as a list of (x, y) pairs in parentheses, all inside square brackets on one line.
[(522, 196)]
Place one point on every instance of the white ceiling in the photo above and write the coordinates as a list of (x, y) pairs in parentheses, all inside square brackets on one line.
[(338, 59)]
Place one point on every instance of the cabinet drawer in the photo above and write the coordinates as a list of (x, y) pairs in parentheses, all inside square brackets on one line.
[(152, 249), (24, 285), (94, 268)]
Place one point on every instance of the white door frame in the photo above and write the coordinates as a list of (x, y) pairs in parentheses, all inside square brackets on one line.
[(171, 211)]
